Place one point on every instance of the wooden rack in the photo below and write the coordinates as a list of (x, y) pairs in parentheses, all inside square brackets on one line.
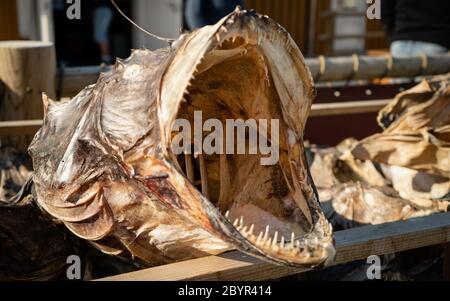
[(351, 245)]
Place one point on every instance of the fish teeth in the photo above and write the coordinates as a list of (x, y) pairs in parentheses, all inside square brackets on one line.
[(252, 227), (315, 241), (282, 242), (307, 241), (258, 240), (241, 221), (292, 240), (266, 234), (236, 222), (275, 238), (227, 214)]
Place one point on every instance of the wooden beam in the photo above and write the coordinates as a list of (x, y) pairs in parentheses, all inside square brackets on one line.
[(348, 108), (17, 128), (351, 245)]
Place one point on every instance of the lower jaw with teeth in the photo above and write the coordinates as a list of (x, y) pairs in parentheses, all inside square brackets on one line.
[(275, 245)]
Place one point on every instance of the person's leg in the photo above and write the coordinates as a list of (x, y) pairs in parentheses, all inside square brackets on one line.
[(414, 48), (427, 48), (102, 21), (401, 48)]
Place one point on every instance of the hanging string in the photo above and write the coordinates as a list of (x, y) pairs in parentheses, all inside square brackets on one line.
[(170, 41)]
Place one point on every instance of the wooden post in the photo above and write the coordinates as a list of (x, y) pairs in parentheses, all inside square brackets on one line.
[(45, 15), (27, 69)]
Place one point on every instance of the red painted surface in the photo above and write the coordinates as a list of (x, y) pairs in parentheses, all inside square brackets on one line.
[(331, 130)]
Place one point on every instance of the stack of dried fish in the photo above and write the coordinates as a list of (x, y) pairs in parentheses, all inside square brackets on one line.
[(398, 174)]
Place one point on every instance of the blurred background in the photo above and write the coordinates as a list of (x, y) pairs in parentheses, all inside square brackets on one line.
[(328, 27), (337, 36)]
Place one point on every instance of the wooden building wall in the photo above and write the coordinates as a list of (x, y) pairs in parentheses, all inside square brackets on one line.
[(296, 17), (8, 20), (291, 14), (377, 38)]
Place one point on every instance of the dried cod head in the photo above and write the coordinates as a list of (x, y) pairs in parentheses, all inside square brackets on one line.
[(417, 130), (104, 165)]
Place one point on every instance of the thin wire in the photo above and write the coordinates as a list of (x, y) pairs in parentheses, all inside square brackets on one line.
[(170, 41)]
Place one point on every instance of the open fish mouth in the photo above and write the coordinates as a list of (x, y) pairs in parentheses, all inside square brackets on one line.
[(105, 166)]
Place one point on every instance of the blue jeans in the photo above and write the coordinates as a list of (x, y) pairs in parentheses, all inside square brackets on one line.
[(102, 21), (413, 48)]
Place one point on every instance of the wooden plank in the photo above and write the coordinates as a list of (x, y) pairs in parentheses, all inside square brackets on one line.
[(16, 128), (351, 245), (348, 108), (27, 69)]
